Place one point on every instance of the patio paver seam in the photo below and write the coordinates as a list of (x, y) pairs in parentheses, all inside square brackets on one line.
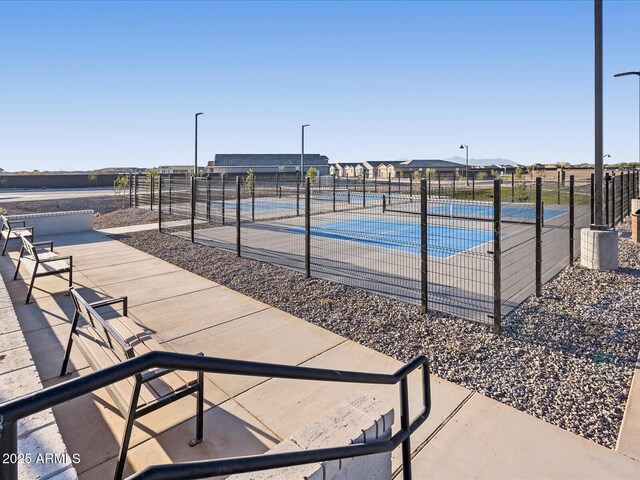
[(177, 269), (235, 397), (112, 264), (16, 369), (132, 305), (267, 307)]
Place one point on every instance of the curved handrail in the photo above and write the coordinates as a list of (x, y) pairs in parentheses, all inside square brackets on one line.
[(13, 410)]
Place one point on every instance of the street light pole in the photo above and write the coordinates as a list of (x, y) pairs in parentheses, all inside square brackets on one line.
[(638, 75), (302, 155), (597, 187), (195, 165), (466, 171)]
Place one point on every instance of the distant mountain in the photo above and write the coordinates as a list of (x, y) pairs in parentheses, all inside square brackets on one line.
[(482, 162)]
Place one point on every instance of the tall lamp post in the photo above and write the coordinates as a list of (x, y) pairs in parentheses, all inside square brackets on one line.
[(302, 155), (598, 163), (625, 74), (599, 243), (195, 165), (466, 171)]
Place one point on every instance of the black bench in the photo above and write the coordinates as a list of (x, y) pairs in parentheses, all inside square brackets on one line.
[(108, 342), (9, 231), (42, 264)]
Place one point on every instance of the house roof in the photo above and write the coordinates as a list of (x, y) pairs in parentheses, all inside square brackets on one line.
[(432, 164), (346, 164), (266, 159)]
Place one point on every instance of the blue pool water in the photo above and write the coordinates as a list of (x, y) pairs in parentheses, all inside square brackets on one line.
[(443, 241)]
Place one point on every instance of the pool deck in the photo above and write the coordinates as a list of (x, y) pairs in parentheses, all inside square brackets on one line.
[(466, 435)]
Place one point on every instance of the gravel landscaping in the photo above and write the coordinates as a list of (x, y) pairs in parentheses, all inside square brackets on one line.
[(109, 211), (567, 357), (125, 217), (99, 204)]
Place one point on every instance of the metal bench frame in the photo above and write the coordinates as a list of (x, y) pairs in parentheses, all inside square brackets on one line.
[(132, 411), (32, 249), (7, 228)]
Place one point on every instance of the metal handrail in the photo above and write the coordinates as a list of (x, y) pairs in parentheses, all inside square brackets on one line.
[(13, 410)]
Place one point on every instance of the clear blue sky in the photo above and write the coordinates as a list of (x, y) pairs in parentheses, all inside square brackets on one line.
[(89, 85)]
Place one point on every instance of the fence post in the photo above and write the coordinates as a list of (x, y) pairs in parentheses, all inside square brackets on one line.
[(607, 181), (253, 198), (558, 187), (513, 187), (389, 182), (307, 227), (298, 199), (334, 193), (151, 179), (193, 206), (348, 195), (423, 245), (628, 194), (539, 219), (454, 185), (429, 185), (238, 216), (208, 198), (384, 203), (135, 192), (160, 203), (572, 218), (613, 201), (277, 183), (411, 184), (170, 193), (497, 256), (130, 190), (364, 190), (9, 448), (621, 196), (223, 199), (593, 210), (473, 186)]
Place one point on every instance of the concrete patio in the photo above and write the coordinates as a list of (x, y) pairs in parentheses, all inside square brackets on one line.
[(467, 434)]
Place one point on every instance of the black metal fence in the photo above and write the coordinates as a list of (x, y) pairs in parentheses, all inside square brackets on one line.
[(474, 251)]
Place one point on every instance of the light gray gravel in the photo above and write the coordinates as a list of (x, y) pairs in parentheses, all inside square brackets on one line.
[(567, 357)]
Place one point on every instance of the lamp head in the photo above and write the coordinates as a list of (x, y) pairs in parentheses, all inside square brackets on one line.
[(462, 146), (306, 125), (199, 113), (624, 74)]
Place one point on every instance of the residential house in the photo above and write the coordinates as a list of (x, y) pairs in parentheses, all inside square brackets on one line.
[(267, 163)]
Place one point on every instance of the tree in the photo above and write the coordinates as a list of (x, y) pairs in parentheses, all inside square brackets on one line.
[(93, 179), (417, 175), (312, 173), (430, 173), (481, 176), (119, 188), (249, 179), (520, 179)]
